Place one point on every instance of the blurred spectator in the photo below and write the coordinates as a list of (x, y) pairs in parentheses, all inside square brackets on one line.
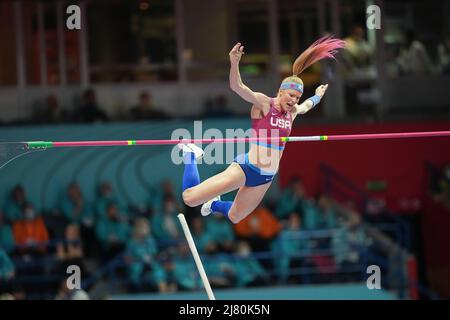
[(7, 269), (291, 199), (220, 270), (358, 52), (90, 111), (203, 237), (258, 228), (319, 213), (249, 272), (327, 218), (184, 269), (165, 225), (13, 208), (6, 235), (105, 198), (30, 232), (348, 243), (112, 232), (291, 250), (444, 55), (51, 112), (217, 107), (145, 109), (165, 189), (414, 58), (65, 293), (77, 211), (32, 245), (56, 223), (359, 73), (7, 275), (221, 232), (144, 270), (74, 207), (70, 250)]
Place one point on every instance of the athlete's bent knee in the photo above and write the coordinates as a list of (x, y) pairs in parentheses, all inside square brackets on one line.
[(189, 198), (234, 218)]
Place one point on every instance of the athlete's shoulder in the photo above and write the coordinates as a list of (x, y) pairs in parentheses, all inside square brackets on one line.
[(264, 103), (262, 100)]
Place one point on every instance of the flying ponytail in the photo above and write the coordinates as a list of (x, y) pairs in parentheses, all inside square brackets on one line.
[(325, 47)]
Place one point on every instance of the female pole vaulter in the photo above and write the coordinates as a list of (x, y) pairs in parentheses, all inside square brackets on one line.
[(252, 173)]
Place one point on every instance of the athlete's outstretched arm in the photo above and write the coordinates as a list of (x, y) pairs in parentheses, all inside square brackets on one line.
[(256, 98), (308, 104)]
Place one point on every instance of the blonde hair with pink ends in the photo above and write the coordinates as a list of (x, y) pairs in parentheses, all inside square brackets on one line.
[(325, 47)]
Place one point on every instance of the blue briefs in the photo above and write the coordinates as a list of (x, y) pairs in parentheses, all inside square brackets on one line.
[(254, 175)]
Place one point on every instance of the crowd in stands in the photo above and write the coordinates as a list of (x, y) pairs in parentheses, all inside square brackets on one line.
[(271, 246), (407, 56), (49, 110), (409, 53)]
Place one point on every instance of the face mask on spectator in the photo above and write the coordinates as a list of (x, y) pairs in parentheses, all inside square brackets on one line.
[(29, 214), (170, 207), (244, 251), (143, 231)]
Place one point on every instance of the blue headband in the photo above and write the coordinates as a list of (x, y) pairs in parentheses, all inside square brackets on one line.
[(293, 86)]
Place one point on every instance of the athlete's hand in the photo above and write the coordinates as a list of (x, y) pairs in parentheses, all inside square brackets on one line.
[(236, 53), (320, 91)]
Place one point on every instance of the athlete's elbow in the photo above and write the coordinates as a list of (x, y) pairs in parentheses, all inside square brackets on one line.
[(234, 87), (302, 110)]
